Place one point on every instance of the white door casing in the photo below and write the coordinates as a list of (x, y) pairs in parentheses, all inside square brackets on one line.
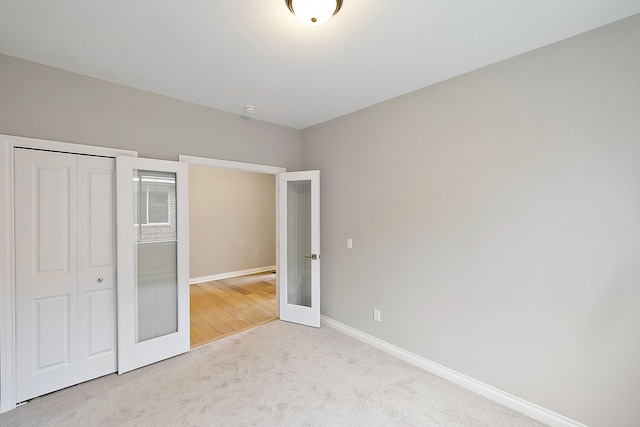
[(299, 247), (246, 167), (153, 274), (65, 332)]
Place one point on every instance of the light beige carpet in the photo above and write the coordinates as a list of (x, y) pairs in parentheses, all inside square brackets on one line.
[(278, 374)]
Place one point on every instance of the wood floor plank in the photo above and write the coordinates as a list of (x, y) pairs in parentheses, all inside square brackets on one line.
[(224, 307)]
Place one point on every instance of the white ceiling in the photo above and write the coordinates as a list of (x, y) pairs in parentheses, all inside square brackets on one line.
[(228, 54)]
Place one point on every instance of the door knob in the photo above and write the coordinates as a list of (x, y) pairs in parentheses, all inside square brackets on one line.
[(312, 256), (100, 279)]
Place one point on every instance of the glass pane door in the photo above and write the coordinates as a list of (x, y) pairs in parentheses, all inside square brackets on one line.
[(153, 261), (299, 253)]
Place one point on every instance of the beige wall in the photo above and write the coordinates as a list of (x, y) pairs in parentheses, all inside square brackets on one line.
[(232, 221), (38, 101), (495, 220)]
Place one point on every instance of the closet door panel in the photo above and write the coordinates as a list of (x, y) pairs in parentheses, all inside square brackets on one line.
[(97, 352), (46, 271)]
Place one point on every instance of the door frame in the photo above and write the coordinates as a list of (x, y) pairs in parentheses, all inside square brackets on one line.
[(247, 167), (7, 248)]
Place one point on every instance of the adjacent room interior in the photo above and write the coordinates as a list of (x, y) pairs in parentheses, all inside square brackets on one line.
[(232, 217)]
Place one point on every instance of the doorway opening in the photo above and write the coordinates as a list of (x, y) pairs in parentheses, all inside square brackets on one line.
[(224, 307), (233, 234)]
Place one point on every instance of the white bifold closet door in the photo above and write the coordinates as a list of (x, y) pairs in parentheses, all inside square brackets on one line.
[(65, 270)]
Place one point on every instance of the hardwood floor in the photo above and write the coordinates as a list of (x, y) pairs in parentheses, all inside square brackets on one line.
[(228, 306)]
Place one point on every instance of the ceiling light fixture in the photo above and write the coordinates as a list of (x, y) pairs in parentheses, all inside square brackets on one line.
[(314, 12)]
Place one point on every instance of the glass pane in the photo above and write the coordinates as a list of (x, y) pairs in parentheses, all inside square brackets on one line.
[(299, 243), (155, 240), (159, 205)]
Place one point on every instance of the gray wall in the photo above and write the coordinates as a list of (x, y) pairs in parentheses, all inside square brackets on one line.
[(495, 220), (495, 216), (232, 220), (38, 101)]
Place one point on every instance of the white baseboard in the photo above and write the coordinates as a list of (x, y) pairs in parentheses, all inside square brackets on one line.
[(510, 401), (220, 276)]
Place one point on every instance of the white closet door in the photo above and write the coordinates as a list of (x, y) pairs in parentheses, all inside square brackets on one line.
[(46, 273), (65, 270), (97, 337)]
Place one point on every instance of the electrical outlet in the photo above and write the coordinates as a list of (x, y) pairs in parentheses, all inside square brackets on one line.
[(376, 314), (349, 243)]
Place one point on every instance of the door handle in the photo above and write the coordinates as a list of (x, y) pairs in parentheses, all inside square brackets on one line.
[(313, 256)]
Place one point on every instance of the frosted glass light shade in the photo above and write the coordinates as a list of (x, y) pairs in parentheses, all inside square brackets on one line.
[(314, 12)]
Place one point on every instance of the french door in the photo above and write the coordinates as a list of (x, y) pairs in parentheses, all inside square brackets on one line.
[(299, 250), (153, 261)]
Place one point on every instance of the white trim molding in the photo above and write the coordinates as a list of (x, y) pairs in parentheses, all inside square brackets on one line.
[(66, 147), (228, 164), (230, 274), (7, 288), (510, 401)]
